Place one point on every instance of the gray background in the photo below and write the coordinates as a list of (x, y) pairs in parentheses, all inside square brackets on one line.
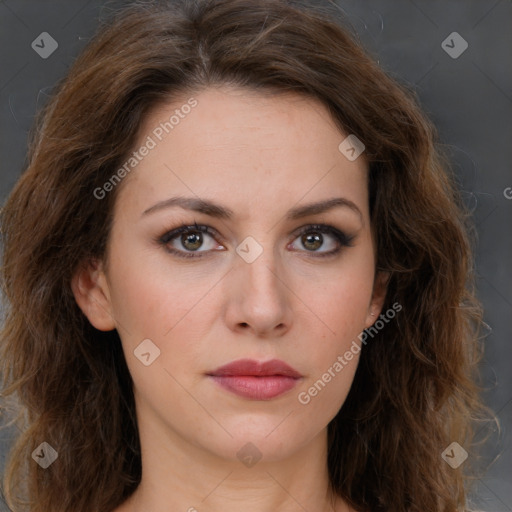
[(469, 98)]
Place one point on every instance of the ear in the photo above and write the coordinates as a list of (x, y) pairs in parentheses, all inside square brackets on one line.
[(380, 287), (91, 291)]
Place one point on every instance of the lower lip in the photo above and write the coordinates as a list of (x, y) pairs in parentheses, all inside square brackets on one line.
[(256, 388)]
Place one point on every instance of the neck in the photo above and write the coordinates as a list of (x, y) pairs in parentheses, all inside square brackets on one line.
[(179, 476)]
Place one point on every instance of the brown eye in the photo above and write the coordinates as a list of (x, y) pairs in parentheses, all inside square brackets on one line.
[(192, 241), (312, 242), (321, 240)]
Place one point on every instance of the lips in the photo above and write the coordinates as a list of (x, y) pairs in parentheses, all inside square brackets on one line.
[(256, 380)]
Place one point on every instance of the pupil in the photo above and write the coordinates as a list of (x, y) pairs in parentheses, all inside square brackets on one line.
[(192, 241), (312, 242)]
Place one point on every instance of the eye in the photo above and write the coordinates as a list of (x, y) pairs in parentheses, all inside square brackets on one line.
[(322, 239), (194, 241), (187, 240)]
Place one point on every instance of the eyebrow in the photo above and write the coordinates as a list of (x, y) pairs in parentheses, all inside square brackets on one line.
[(215, 210)]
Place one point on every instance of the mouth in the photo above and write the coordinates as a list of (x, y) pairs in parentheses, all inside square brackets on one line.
[(256, 380)]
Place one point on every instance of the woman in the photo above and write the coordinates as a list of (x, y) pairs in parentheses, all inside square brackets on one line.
[(237, 275)]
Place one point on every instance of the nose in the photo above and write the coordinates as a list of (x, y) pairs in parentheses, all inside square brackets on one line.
[(258, 298)]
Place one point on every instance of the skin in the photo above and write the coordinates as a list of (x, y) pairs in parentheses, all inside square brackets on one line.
[(260, 156)]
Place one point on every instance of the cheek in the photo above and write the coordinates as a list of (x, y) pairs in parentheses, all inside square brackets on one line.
[(176, 312), (150, 301), (333, 346), (342, 299), (322, 395), (333, 353), (344, 304), (341, 307)]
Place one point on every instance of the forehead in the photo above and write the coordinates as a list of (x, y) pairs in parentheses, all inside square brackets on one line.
[(246, 148)]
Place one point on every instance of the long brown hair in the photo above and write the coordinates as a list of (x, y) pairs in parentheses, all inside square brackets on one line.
[(414, 390)]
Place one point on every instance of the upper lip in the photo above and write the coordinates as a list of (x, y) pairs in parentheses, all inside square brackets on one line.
[(251, 367)]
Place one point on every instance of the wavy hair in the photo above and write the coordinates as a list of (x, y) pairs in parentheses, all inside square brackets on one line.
[(415, 388)]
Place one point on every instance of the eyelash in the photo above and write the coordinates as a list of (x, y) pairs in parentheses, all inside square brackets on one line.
[(342, 239)]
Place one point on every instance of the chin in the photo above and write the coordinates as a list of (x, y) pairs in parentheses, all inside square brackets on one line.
[(256, 440)]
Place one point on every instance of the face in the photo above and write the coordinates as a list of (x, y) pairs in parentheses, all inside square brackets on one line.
[(243, 233)]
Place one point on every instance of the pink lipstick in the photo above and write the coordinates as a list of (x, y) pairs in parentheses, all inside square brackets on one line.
[(256, 380)]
